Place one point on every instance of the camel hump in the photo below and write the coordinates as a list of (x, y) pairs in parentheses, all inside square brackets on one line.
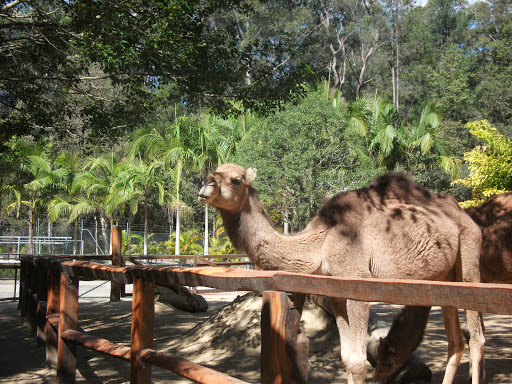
[(498, 208), (384, 192), (395, 187)]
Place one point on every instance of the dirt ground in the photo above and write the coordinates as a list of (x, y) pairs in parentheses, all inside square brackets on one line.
[(226, 338)]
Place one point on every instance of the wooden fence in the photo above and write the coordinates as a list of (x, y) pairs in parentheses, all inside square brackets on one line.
[(49, 300)]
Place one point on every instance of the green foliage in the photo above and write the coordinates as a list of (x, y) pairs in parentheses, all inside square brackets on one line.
[(303, 156), (490, 164), (394, 143), (82, 76)]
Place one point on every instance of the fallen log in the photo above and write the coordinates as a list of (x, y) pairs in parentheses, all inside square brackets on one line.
[(180, 298), (177, 296)]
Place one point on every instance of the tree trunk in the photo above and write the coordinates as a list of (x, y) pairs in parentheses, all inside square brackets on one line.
[(177, 247), (286, 225), (96, 234), (75, 237), (50, 245), (30, 245), (206, 234), (104, 233), (145, 226)]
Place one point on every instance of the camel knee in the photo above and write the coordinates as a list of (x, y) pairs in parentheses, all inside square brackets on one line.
[(456, 347), (356, 367)]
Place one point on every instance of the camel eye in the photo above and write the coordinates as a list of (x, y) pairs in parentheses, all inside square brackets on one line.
[(236, 182)]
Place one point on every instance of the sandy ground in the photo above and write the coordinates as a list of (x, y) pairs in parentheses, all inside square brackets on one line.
[(226, 338)]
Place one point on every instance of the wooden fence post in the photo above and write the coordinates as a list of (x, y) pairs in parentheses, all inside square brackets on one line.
[(284, 352), (42, 296), (68, 319), (115, 288), (23, 287), (52, 316), (143, 315), (32, 309)]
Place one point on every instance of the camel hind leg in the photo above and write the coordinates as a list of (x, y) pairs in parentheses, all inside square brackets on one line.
[(475, 328), (455, 342), (470, 243)]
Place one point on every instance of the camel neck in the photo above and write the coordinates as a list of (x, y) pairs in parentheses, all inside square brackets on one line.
[(251, 231)]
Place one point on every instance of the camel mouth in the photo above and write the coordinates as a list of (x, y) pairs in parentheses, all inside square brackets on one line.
[(204, 199)]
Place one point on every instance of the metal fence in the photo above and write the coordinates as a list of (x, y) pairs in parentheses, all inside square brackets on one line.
[(91, 290), (10, 282), (9, 279), (61, 238)]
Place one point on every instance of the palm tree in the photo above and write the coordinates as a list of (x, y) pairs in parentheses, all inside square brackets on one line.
[(217, 141), (35, 163), (139, 180), (425, 141), (394, 143), (65, 204), (99, 179), (174, 155), (377, 120)]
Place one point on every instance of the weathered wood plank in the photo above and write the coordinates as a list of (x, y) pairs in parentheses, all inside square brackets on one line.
[(186, 368), (489, 298), (68, 319), (143, 314), (97, 344), (41, 306)]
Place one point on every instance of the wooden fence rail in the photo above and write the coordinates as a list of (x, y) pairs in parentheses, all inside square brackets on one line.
[(53, 303)]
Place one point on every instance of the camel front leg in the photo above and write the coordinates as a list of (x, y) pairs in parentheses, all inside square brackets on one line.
[(352, 321)]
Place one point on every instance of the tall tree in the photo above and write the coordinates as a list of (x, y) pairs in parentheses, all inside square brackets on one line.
[(42, 178), (140, 180), (100, 176), (53, 49), (64, 204), (304, 155), (493, 38)]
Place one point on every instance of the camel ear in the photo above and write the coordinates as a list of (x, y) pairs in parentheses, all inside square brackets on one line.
[(250, 175), (391, 350)]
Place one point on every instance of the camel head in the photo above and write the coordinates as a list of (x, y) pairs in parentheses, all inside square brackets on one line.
[(227, 188)]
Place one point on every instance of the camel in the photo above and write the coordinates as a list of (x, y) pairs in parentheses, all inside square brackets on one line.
[(393, 228), (494, 218)]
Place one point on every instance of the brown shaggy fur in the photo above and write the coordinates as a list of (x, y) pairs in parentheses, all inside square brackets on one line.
[(393, 228)]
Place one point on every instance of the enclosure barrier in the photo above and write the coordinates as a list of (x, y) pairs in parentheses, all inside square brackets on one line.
[(9, 265), (53, 283)]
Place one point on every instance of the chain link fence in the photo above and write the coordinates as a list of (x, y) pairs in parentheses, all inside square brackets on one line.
[(9, 279), (61, 238), (10, 282)]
